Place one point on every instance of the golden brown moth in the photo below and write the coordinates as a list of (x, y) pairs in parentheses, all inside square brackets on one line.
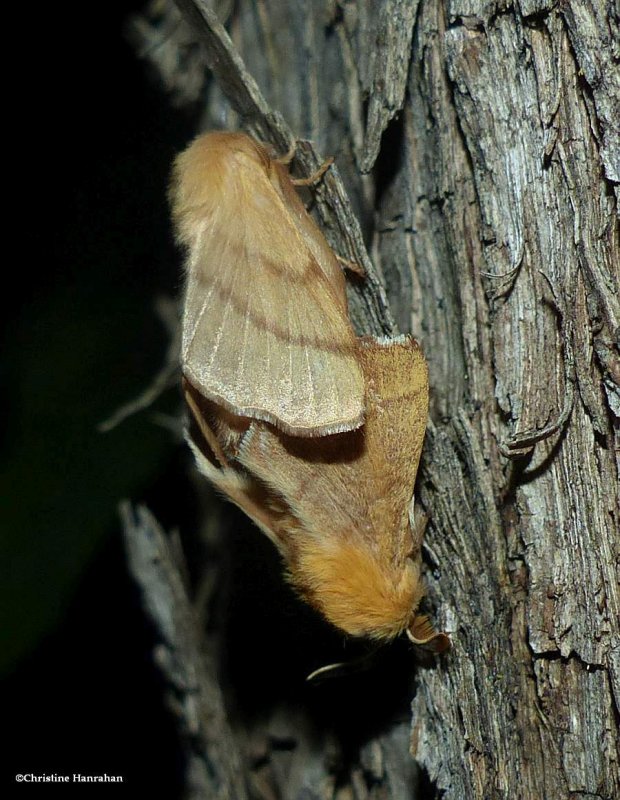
[(339, 508), (279, 385), (266, 332)]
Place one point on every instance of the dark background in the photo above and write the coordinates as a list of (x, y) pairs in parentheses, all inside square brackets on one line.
[(91, 251), (88, 249)]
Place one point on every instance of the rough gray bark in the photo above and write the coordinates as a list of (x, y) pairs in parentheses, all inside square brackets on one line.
[(491, 214), (212, 752)]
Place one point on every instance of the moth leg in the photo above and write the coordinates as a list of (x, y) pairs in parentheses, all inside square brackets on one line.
[(208, 435), (311, 179), (316, 176), (288, 156), (352, 266)]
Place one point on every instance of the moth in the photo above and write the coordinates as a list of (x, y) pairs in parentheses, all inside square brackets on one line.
[(314, 432), (266, 332)]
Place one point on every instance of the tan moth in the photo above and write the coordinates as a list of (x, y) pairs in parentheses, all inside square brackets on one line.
[(315, 433)]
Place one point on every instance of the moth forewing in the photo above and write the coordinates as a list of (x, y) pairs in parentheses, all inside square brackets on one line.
[(266, 332), (307, 228)]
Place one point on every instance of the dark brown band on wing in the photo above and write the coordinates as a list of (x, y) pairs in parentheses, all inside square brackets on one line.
[(227, 294)]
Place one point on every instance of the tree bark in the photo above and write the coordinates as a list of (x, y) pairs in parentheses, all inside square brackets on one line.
[(479, 145)]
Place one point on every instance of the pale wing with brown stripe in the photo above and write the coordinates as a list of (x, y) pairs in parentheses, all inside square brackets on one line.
[(266, 332)]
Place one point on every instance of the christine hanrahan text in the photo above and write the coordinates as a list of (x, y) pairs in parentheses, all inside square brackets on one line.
[(29, 777)]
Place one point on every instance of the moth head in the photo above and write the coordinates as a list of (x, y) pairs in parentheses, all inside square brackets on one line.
[(358, 590), (365, 594)]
